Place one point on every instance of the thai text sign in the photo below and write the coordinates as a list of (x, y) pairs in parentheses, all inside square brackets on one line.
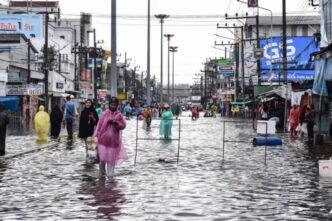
[(29, 25)]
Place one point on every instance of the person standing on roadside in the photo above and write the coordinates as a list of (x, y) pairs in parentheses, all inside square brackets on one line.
[(88, 120), (310, 120), (69, 116), (166, 122), (127, 111), (148, 116), (294, 117), (42, 124), (109, 134), (4, 121), (56, 119), (99, 110)]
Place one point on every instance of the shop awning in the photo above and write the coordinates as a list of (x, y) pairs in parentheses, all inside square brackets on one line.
[(259, 90), (10, 103), (282, 91), (267, 99)]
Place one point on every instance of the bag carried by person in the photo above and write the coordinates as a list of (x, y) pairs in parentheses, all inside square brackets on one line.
[(92, 150)]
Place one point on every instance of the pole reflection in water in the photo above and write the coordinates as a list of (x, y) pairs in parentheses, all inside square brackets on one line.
[(3, 168)]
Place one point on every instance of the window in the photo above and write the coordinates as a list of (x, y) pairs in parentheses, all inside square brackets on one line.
[(305, 30), (293, 30), (249, 32), (266, 30)]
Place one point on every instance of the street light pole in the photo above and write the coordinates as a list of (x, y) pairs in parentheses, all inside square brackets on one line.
[(94, 82), (173, 50), (148, 83), (161, 17), (114, 77), (271, 31), (284, 59), (46, 63), (168, 36)]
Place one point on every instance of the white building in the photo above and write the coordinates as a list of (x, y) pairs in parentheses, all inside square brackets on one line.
[(68, 37)]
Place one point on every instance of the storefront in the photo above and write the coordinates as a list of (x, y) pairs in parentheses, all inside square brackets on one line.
[(3, 82), (322, 94)]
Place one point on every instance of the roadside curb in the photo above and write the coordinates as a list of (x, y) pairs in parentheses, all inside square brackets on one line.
[(48, 146)]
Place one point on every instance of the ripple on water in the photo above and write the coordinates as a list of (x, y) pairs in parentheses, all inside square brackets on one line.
[(55, 184)]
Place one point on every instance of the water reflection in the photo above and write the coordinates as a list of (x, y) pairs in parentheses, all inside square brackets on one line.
[(56, 184), (108, 197), (3, 168), (69, 144)]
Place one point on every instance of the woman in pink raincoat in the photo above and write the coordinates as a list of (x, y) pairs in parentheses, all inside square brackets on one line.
[(109, 133)]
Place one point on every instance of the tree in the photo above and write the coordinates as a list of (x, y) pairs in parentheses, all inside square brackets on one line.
[(52, 61)]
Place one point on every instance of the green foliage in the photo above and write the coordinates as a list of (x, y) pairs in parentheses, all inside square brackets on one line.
[(52, 61)]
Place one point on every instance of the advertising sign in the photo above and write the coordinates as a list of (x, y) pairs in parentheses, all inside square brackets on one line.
[(30, 89), (15, 90), (299, 65), (252, 3), (29, 25), (102, 94)]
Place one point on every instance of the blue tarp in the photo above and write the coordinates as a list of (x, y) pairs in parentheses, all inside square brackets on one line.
[(323, 73), (10, 103)]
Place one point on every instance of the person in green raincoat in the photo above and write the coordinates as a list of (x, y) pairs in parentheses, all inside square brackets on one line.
[(166, 122), (42, 124)]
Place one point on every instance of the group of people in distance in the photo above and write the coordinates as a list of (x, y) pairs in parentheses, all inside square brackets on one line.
[(105, 126), (302, 120)]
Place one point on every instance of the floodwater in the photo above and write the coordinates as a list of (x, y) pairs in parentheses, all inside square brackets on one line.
[(55, 184)]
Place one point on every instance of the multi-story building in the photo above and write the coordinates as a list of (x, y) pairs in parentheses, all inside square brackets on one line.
[(67, 38)]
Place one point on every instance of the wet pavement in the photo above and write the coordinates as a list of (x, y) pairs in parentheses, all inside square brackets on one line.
[(55, 184)]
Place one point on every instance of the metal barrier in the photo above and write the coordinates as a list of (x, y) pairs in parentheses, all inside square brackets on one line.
[(16, 124), (239, 141), (168, 139)]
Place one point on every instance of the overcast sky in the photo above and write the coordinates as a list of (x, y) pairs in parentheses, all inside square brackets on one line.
[(193, 22)]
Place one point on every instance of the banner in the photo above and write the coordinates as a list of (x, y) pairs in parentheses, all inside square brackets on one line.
[(29, 25), (299, 67)]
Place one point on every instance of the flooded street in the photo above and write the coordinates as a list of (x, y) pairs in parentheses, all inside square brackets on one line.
[(55, 184)]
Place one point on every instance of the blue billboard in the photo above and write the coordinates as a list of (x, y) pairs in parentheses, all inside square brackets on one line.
[(299, 66), (29, 25)]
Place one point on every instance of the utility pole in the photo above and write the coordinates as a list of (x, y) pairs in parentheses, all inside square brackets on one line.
[(95, 68), (162, 18), (258, 46), (168, 36), (46, 61), (59, 58), (242, 51), (75, 64), (114, 76), (237, 60), (173, 50), (29, 59), (284, 59), (242, 44), (125, 74), (148, 76), (94, 82)]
